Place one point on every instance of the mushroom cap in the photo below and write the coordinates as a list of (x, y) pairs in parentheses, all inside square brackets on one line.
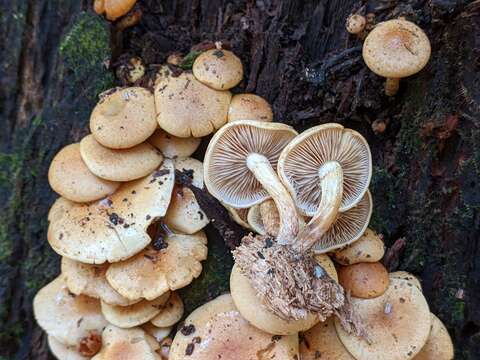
[(227, 176), (159, 333), (70, 177), (249, 107), (62, 351), (368, 248), (252, 309), (124, 118), (255, 221), (219, 69), (90, 280), (172, 146), (364, 280), (151, 273), (322, 342), (217, 330), (136, 314), (117, 8), (324, 261), (119, 164), (389, 320), (171, 312), (65, 316), (396, 48), (115, 228), (412, 279), (439, 345), (240, 216), (186, 107), (301, 160)]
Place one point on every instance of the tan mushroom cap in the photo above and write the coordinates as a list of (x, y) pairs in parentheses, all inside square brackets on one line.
[(119, 164), (301, 160), (439, 345), (226, 173), (151, 273), (173, 146), (117, 8), (90, 280), (396, 49), (219, 69), (324, 261), (249, 107), (403, 275), (136, 314), (171, 312), (70, 177), (216, 330), (158, 333), (364, 280), (397, 324), (252, 309), (62, 351), (368, 248), (124, 118), (65, 316), (240, 216), (322, 342), (186, 107), (115, 228), (255, 221)]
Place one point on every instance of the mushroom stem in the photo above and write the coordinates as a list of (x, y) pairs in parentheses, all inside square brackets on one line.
[(391, 86), (260, 166), (331, 180)]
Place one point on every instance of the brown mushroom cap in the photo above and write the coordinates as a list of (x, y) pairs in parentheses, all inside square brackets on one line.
[(219, 69), (301, 160), (117, 8), (62, 351), (324, 261), (216, 330), (186, 107), (119, 164), (172, 146), (396, 49), (364, 280), (70, 177), (252, 309), (403, 275), (66, 317), (368, 248), (124, 118), (151, 273), (115, 228), (439, 345), (397, 324), (171, 312), (249, 107)]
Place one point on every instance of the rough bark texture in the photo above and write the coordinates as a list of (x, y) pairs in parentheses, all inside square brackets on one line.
[(298, 56)]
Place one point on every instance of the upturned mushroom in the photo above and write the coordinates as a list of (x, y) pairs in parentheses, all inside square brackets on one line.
[(255, 221), (396, 49), (174, 147), (364, 280), (439, 345), (240, 216), (249, 107), (369, 248)]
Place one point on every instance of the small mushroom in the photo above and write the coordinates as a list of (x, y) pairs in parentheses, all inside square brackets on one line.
[(115, 8), (124, 118), (356, 24), (172, 146), (396, 49), (369, 248), (131, 69), (403, 275), (186, 107), (254, 219), (216, 330), (439, 345), (165, 348), (327, 264), (364, 280), (398, 324), (219, 69), (64, 352), (119, 164), (99, 6), (159, 333), (70, 177), (171, 312), (152, 272), (240, 216), (249, 107)]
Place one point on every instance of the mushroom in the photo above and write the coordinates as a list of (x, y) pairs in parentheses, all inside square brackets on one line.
[(165, 348), (216, 330), (186, 107), (171, 312), (136, 314), (439, 345), (172, 146), (153, 272), (99, 6), (395, 49), (240, 216), (116, 8), (364, 280), (114, 228), (389, 319), (254, 219), (124, 118), (322, 342), (219, 69), (327, 264), (403, 275), (356, 24), (70, 177), (62, 351), (369, 248), (68, 318), (90, 280), (249, 107), (159, 333), (119, 164)]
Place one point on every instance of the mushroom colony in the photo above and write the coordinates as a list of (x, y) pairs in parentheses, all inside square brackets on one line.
[(308, 281)]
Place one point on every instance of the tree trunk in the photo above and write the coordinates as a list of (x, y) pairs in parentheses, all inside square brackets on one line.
[(297, 54)]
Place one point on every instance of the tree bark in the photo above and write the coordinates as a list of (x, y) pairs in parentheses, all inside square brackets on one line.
[(298, 56)]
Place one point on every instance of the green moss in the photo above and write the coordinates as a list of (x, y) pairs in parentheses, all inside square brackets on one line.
[(189, 59)]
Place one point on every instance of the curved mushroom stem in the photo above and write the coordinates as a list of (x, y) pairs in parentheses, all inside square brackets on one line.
[(331, 179), (391, 86), (260, 166)]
